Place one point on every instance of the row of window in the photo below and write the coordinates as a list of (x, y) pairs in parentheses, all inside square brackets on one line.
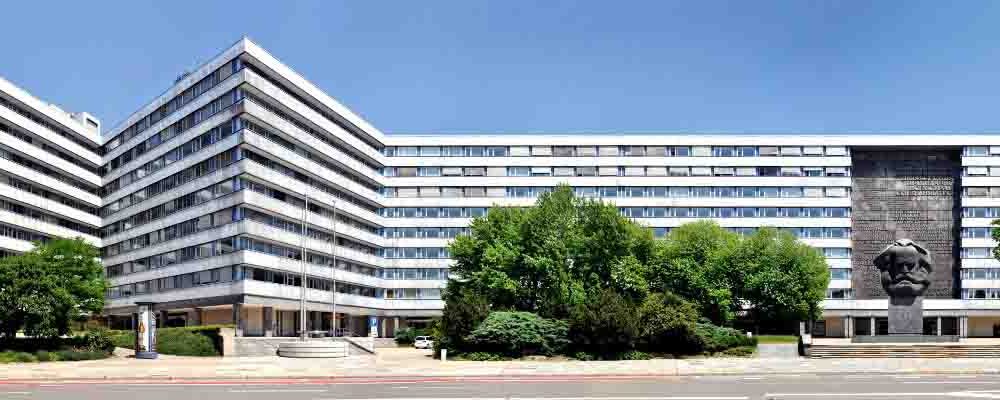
[(295, 226), (347, 126), (839, 294), (245, 272), (736, 212), (622, 191), (977, 233), (452, 232), (613, 151), (981, 212), (21, 234), (981, 273), (981, 191), (424, 232), (23, 111), (977, 252), (614, 171), (981, 151), (36, 141), (189, 174), (42, 192), (325, 138), (31, 164), (801, 233), (840, 273), (310, 155), (186, 228), (45, 217), (414, 252), (172, 105), (410, 274), (280, 168), (981, 171), (315, 208), (184, 150), (229, 245), (432, 212), (985, 293), (171, 206)]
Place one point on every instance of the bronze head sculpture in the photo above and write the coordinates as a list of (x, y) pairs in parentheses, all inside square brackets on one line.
[(906, 269)]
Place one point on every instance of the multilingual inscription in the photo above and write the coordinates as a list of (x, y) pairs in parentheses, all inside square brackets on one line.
[(905, 194)]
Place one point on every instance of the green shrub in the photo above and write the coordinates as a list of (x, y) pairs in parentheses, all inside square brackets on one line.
[(96, 341), (43, 356), (125, 339), (185, 341), (24, 357), (406, 336), (583, 356), (481, 356), (518, 334), (741, 351), (69, 355), (636, 355), (668, 324), (714, 339), (605, 325)]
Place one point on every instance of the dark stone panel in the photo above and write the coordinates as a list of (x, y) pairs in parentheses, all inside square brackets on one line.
[(911, 194)]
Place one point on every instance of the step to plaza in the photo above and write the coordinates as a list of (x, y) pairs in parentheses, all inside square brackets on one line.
[(955, 350)]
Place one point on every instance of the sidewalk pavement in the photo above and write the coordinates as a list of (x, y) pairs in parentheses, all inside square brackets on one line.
[(416, 363)]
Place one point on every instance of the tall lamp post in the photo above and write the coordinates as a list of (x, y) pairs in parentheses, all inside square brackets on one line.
[(303, 333), (333, 288)]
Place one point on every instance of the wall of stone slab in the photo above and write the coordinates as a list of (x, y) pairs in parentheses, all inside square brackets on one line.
[(912, 194)]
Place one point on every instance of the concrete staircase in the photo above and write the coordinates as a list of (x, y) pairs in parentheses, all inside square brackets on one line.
[(951, 350)]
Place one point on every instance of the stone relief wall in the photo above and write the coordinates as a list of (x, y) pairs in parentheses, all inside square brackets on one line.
[(910, 194)]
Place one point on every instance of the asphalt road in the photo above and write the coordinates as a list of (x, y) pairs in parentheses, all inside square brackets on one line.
[(787, 387)]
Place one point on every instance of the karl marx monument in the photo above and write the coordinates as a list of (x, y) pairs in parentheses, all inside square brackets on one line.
[(906, 270)]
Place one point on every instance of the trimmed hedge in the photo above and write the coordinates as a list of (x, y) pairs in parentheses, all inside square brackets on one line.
[(92, 345), (202, 341)]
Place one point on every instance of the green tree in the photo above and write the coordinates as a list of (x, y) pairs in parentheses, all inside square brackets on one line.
[(545, 259), (690, 265), (463, 311), (995, 233), (43, 290), (779, 278)]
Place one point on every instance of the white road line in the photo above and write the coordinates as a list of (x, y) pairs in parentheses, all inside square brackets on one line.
[(752, 378), (277, 390), (635, 398), (20, 393), (974, 394)]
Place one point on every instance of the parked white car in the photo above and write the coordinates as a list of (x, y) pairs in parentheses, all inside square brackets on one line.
[(423, 342)]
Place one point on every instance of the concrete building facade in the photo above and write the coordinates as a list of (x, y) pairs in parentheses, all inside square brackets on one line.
[(212, 199)]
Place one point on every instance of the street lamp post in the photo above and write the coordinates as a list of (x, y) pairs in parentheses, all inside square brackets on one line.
[(303, 333), (333, 289)]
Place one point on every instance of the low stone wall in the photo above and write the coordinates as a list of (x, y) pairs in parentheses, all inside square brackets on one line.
[(381, 343)]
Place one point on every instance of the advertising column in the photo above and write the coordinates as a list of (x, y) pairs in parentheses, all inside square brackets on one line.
[(145, 331)]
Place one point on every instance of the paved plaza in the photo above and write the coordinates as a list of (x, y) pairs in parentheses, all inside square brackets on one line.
[(405, 362)]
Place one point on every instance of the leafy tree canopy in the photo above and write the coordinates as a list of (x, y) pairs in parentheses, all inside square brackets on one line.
[(42, 290)]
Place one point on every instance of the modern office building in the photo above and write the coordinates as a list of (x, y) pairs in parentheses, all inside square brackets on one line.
[(215, 195), (49, 180)]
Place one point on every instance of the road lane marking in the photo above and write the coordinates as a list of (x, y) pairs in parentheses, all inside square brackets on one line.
[(277, 390)]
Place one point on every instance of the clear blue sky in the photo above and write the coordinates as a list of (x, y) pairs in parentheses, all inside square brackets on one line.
[(546, 66)]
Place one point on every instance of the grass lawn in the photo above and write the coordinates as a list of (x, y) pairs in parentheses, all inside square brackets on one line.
[(773, 339)]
